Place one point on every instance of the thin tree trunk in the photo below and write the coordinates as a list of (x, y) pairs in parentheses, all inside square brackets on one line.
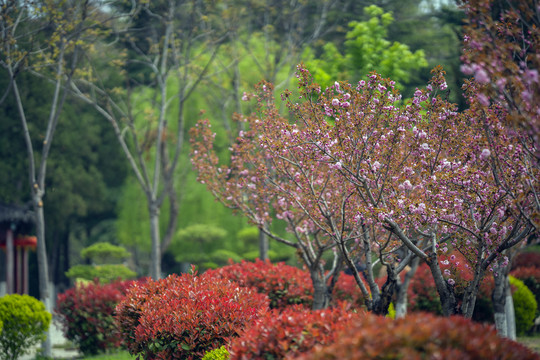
[(401, 298), (498, 298), (155, 267), (43, 267), (381, 305), (263, 246), (446, 294), (321, 296), (510, 314)]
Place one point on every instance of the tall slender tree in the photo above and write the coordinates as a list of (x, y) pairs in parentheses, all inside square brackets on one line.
[(170, 48), (55, 56)]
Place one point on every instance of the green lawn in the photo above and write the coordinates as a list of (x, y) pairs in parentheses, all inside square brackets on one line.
[(121, 355), (532, 342)]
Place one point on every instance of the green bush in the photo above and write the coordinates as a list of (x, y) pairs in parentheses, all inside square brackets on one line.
[(217, 354), (25, 321), (222, 256), (524, 305), (104, 273), (105, 253), (201, 233), (255, 254)]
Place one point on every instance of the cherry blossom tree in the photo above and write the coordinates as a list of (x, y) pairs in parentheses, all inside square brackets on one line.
[(501, 52), (374, 175)]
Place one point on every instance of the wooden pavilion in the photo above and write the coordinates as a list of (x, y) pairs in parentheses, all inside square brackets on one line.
[(16, 222)]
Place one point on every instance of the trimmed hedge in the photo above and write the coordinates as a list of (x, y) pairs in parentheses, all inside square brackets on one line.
[(284, 285), (419, 336), (184, 317)]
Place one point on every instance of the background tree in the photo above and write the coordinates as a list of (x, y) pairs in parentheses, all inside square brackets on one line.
[(176, 35), (56, 57), (368, 49)]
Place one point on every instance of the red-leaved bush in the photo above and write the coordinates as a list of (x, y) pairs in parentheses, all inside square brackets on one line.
[(422, 293), (86, 313), (290, 332), (183, 317), (418, 336), (526, 259), (283, 284), (346, 289)]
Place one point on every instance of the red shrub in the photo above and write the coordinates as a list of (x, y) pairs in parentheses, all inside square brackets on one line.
[(346, 289), (86, 313), (290, 332), (526, 259), (283, 284), (422, 293), (419, 336), (183, 317)]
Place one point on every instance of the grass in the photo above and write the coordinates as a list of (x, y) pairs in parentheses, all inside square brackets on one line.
[(532, 342), (120, 355)]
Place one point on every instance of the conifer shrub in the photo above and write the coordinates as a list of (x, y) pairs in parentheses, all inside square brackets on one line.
[(418, 336), (86, 313), (290, 332), (23, 322), (184, 317), (284, 285)]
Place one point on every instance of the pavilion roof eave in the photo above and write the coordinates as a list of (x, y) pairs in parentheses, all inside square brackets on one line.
[(15, 213)]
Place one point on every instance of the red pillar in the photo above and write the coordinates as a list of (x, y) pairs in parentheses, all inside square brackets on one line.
[(10, 262)]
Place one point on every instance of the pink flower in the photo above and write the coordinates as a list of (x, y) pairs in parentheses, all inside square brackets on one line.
[(335, 102), (451, 282), (481, 76), (444, 86), (245, 97), (483, 99), (485, 154)]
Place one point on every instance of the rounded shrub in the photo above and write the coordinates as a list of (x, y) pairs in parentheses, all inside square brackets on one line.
[(525, 305), (184, 317), (283, 284), (24, 322), (530, 277), (86, 313), (290, 332), (106, 273), (217, 354), (418, 336), (105, 253)]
